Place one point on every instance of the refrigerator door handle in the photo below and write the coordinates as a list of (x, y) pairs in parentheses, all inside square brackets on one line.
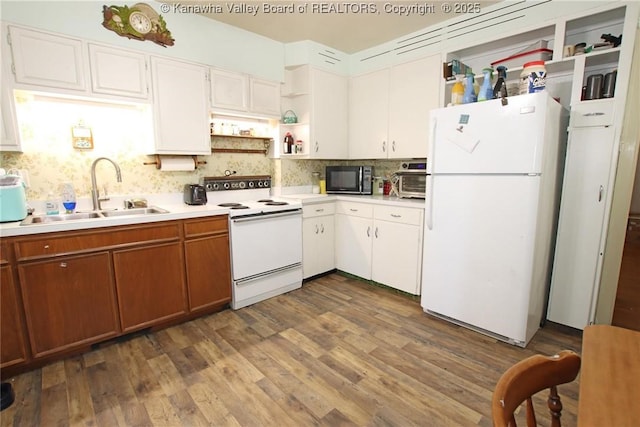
[(429, 183), (428, 210)]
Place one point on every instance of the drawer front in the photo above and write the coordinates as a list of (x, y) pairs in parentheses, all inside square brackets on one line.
[(362, 210), (318, 209), (67, 243), (398, 214), (593, 113), (206, 226)]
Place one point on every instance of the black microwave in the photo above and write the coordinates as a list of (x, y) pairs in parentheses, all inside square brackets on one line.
[(349, 179)]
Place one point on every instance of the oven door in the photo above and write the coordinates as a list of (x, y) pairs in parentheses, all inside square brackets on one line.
[(265, 243)]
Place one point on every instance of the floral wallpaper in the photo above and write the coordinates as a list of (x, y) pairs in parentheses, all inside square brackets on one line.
[(122, 132)]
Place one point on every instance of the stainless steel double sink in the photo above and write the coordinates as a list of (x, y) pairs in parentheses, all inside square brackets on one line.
[(46, 219)]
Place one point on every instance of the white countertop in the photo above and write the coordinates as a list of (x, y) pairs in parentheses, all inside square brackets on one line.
[(307, 198), (178, 210)]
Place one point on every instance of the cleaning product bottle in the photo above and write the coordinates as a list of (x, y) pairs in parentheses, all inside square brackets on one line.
[(51, 205), (457, 91), (486, 91), (469, 92), (500, 89)]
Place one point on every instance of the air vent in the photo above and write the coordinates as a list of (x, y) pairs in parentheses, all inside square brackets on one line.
[(329, 57), (435, 35)]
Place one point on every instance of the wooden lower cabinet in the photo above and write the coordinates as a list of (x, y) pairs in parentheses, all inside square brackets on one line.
[(68, 302), (150, 284), (208, 262), (12, 337)]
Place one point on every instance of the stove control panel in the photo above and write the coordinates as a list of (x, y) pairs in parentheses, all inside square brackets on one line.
[(224, 183)]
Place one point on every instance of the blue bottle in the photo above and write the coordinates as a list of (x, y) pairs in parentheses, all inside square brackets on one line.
[(486, 91), (469, 92)]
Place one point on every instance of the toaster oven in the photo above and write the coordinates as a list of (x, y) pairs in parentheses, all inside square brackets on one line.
[(412, 180)]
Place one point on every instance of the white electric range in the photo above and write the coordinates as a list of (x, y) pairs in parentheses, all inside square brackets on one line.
[(265, 237)]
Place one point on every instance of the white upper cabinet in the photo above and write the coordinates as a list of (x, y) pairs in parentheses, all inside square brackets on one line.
[(389, 110), (264, 97), (414, 91), (320, 101), (229, 91), (118, 72), (237, 92), (181, 107), (48, 60), (369, 115)]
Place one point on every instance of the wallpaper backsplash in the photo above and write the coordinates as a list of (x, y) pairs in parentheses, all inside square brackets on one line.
[(121, 133)]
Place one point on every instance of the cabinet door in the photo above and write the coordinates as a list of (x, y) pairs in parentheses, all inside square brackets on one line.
[(396, 256), (9, 140), (326, 244), (47, 60), (181, 107), (353, 245), (208, 271), (229, 90), (69, 302), (414, 89), (118, 72), (582, 209), (12, 338), (264, 97), (329, 121), (155, 289), (318, 245), (369, 115)]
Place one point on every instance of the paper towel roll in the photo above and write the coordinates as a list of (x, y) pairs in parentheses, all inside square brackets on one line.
[(177, 164)]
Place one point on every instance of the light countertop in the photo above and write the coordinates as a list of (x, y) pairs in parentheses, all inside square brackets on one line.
[(178, 210)]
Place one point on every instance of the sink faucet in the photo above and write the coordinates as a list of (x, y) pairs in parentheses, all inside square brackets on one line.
[(95, 193)]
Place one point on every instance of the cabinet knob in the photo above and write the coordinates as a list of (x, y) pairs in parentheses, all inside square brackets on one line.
[(376, 233), (321, 228), (46, 246), (63, 265), (384, 146), (393, 146), (316, 228), (317, 146), (369, 231), (600, 192)]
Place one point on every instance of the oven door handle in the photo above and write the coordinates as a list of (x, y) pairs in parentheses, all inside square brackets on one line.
[(264, 216)]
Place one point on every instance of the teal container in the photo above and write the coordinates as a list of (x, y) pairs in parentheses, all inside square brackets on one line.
[(13, 202)]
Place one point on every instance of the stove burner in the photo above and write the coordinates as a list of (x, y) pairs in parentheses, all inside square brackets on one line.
[(229, 205), (265, 200), (239, 207), (272, 203)]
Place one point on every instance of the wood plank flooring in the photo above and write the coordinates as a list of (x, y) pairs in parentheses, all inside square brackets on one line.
[(337, 352)]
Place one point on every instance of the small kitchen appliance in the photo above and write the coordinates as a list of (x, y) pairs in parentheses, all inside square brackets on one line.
[(195, 194), (412, 180), (13, 200), (349, 179)]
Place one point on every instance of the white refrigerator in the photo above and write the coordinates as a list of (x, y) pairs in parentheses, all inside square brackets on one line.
[(493, 186)]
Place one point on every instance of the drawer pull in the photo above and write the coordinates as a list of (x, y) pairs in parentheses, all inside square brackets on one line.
[(353, 210), (63, 265), (319, 210), (396, 216), (46, 246), (593, 114)]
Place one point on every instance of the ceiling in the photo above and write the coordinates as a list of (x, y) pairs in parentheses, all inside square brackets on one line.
[(345, 26)]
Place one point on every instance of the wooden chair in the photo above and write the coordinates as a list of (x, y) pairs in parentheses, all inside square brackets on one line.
[(528, 377)]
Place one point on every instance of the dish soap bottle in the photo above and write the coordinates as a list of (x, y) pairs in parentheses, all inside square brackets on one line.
[(51, 205), (457, 91), (68, 198), (486, 91)]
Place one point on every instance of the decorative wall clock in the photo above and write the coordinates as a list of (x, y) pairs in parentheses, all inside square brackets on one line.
[(140, 22)]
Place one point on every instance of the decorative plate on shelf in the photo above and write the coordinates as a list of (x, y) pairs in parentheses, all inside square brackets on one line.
[(139, 22)]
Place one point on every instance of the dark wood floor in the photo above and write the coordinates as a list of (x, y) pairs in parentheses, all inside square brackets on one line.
[(336, 352)]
